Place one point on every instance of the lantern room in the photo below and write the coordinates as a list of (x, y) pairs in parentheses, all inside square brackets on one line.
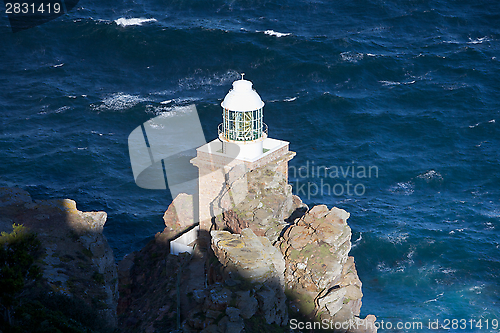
[(242, 130)]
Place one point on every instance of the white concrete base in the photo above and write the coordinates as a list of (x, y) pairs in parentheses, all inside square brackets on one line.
[(181, 243), (249, 150)]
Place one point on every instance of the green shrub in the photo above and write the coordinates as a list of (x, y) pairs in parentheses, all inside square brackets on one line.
[(18, 252)]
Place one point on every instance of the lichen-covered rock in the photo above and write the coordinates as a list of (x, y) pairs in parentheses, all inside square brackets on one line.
[(318, 267), (248, 256), (268, 201)]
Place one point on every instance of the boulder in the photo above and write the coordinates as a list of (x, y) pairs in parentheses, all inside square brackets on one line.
[(178, 217), (247, 304), (255, 261)]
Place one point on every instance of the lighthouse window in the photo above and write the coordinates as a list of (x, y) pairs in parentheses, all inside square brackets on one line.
[(242, 126)]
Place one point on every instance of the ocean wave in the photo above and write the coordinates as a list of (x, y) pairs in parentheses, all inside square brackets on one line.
[(357, 241), (351, 56), (405, 188), (395, 83), (398, 238), (290, 99), (275, 33), (477, 289), (478, 40), (495, 213), (46, 110), (125, 22), (172, 107), (62, 109), (456, 230), (455, 86), (430, 176), (434, 299), (492, 121), (206, 82)]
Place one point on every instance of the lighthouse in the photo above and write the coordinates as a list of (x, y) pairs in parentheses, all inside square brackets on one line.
[(242, 145)]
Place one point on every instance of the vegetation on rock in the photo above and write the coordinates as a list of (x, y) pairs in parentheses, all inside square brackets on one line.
[(28, 303)]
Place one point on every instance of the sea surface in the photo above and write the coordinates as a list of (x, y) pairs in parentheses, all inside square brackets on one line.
[(398, 98)]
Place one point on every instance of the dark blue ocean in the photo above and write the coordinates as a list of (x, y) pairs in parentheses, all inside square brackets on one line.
[(406, 89)]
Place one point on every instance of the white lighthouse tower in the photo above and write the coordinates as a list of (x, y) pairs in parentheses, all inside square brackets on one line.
[(242, 146)]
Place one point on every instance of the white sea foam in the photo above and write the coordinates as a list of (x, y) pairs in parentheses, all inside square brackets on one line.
[(495, 213), (62, 109), (455, 86), (59, 65), (390, 83), (434, 299), (478, 40), (406, 188), (207, 82), (351, 56), (275, 33), (118, 102), (290, 99), (431, 175), (356, 242), (175, 108), (397, 238), (492, 121), (456, 230), (125, 22), (477, 289), (395, 83), (382, 267)]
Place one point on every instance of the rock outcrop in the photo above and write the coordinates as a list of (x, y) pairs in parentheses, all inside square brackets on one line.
[(78, 261), (178, 217), (321, 278), (269, 259)]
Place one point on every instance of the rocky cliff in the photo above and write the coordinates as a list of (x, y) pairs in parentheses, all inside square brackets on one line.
[(76, 259), (270, 260)]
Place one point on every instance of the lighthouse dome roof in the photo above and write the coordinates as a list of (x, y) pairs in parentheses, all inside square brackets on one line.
[(242, 97)]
